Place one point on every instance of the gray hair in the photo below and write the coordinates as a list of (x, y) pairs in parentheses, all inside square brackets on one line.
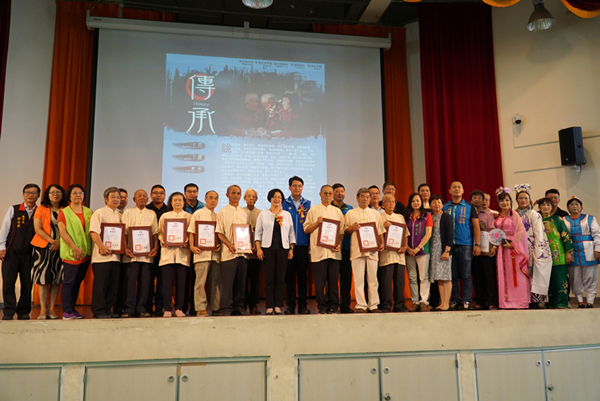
[(362, 190), (111, 190)]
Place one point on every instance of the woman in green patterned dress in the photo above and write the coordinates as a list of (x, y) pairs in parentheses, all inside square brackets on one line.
[(561, 249)]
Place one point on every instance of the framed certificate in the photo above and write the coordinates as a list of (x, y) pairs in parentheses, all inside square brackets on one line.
[(486, 246), (242, 238), (367, 237), (206, 237), (175, 232), (394, 237), (113, 236), (140, 240), (329, 233)]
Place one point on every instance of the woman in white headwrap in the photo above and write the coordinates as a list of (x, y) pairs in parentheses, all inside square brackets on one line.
[(540, 260)]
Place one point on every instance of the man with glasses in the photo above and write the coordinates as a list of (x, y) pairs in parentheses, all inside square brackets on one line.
[(155, 293), (191, 198), (16, 233)]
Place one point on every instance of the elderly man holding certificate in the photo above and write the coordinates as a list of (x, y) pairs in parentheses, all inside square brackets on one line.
[(233, 228), (367, 231), (325, 224), (392, 263), (207, 255), (107, 233), (141, 228)]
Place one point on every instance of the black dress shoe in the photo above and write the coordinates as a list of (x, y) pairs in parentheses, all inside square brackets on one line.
[(6, 317), (104, 316), (333, 311), (113, 315), (236, 312), (346, 309), (290, 311), (401, 309), (303, 311), (23, 317)]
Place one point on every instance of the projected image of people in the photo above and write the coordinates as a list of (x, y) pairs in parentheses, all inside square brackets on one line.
[(251, 117)]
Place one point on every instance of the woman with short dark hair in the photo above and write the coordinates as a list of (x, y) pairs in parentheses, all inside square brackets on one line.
[(75, 248), (47, 266), (275, 241), (440, 246)]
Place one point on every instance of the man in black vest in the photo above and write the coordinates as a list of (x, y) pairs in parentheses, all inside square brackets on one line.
[(16, 233)]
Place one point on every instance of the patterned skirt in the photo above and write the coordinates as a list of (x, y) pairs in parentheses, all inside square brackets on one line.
[(47, 266)]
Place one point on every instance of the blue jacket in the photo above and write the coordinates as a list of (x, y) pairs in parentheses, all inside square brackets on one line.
[(302, 239)]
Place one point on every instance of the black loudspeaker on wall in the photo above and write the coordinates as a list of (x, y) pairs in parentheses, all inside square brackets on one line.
[(571, 146)]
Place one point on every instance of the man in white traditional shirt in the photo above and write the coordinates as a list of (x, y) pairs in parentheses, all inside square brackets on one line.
[(325, 261), (233, 262), (392, 264), (105, 263), (254, 264), (138, 267), (207, 263), (364, 261)]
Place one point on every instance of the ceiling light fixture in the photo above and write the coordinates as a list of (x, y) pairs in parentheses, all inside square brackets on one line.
[(257, 4), (541, 18)]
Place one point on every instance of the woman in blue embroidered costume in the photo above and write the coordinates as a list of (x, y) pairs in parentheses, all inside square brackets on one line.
[(583, 271)]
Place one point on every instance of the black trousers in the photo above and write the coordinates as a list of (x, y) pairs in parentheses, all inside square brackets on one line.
[(73, 276), (485, 280), (122, 290), (189, 302), (16, 264), (233, 279), (275, 262), (326, 273), (174, 272), (252, 278), (297, 268), (345, 279), (106, 284), (391, 276), (155, 292), (138, 276)]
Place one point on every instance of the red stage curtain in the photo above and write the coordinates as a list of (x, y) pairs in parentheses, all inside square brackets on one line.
[(399, 156), (462, 140), (4, 33)]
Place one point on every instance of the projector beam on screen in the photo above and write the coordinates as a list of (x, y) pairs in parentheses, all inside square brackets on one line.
[(238, 33)]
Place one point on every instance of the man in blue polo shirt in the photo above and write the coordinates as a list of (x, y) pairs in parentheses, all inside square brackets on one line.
[(298, 207), (466, 227)]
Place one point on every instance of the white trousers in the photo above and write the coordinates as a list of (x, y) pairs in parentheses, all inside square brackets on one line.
[(422, 263), (584, 279), (358, 273)]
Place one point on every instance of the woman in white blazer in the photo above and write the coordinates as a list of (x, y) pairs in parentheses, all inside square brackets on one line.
[(275, 241)]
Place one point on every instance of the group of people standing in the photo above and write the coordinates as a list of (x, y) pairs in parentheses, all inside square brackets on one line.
[(54, 244)]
